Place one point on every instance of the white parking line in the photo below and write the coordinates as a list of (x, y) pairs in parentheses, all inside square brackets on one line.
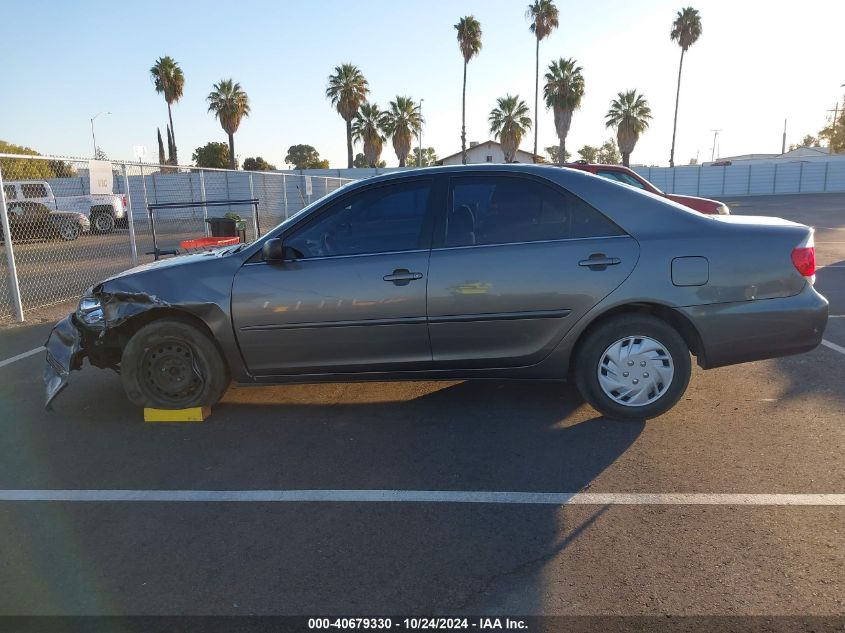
[(14, 359), (425, 496), (833, 346)]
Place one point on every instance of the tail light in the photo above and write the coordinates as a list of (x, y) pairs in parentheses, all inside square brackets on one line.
[(804, 258), (124, 199)]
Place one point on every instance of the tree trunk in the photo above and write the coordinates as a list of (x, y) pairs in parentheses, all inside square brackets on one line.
[(173, 134), (464, 119), (675, 124), (561, 158), (232, 164), (349, 142), (625, 158), (536, 96)]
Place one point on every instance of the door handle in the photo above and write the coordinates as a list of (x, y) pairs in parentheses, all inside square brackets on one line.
[(599, 261), (402, 277)]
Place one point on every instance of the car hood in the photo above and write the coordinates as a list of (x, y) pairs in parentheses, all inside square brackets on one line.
[(170, 263)]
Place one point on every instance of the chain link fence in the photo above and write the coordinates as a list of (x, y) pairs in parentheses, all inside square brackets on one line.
[(65, 239)]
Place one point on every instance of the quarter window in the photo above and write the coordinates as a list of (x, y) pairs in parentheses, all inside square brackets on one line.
[(377, 220), (9, 192), (34, 191), (499, 210)]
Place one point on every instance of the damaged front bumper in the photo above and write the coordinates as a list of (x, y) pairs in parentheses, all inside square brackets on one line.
[(65, 353)]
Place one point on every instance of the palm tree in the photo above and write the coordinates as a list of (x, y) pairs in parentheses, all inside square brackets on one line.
[(347, 90), (563, 92), (169, 80), (543, 16), (401, 122), (686, 29), (367, 127), (509, 121), (230, 104), (469, 41), (629, 113)]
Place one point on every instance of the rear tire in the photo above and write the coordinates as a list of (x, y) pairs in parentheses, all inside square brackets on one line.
[(170, 364), (633, 367)]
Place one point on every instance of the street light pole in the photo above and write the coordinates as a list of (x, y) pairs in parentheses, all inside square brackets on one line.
[(94, 138)]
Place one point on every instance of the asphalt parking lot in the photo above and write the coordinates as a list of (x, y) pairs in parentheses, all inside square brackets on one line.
[(740, 449)]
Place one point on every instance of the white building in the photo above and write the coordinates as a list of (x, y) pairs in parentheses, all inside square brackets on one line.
[(487, 152), (797, 155)]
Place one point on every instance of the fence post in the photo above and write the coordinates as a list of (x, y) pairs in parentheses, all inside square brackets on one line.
[(254, 215), (775, 180), (724, 175), (10, 254), (144, 186), (826, 167), (800, 176), (285, 191), (204, 199), (748, 188), (133, 248)]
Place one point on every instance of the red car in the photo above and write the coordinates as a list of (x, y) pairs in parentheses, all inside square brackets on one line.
[(630, 177)]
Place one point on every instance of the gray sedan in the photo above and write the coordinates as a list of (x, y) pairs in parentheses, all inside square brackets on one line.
[(472, 272)]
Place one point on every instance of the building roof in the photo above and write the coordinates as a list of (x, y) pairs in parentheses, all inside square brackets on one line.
[(489, 144), (807, 151)]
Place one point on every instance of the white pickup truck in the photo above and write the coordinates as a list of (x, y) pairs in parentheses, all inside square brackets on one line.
[(103, 210)]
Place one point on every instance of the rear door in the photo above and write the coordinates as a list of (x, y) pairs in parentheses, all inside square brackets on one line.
[(517, 262)]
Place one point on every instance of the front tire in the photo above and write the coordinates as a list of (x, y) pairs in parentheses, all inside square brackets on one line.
[(69, 230), (170, 364), (633, 367)]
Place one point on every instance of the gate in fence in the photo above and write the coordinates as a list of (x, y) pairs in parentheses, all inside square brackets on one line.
[(60, 237)]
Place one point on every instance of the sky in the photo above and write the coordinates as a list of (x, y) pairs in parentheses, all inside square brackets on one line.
[(756, 64)]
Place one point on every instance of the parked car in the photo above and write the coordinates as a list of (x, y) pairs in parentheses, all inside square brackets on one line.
[(31, 220), (103, 210), (627, 176), (459, 272)]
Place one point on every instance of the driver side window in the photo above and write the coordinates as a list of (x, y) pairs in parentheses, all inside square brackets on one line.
[(377, 220)]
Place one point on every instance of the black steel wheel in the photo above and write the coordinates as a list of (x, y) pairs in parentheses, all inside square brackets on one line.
[(170, 364)]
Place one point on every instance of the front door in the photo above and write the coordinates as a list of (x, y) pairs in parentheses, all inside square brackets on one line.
[(512, 270), (351, 298)]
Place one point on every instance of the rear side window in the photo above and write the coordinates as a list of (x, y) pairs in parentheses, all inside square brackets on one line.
[(504, 209), (9, 192), (34, 190)]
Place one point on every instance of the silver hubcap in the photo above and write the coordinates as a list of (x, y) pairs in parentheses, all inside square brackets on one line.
[(635, 371)]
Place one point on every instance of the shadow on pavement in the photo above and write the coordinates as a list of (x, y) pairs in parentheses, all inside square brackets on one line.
[(300, 557)]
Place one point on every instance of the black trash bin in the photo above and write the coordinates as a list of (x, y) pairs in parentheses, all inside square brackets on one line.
[(222, 227)]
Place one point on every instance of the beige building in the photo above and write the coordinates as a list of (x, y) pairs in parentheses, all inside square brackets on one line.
[(487, 152)]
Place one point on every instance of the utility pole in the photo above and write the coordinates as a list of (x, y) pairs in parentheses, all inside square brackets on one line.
[(713, 149), (419, 158), (783, 143)]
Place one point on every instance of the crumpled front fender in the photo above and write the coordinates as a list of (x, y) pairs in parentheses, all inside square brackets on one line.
[(64, 354)]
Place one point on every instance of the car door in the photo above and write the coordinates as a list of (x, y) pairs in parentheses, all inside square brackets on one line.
[(517, 261), (351, 295)]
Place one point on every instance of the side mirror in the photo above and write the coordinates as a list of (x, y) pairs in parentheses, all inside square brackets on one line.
[(273, 250)]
